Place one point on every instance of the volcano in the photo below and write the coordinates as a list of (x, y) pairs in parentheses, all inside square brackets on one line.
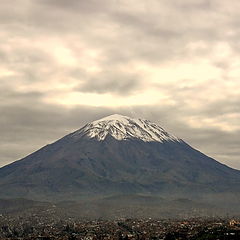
[(119, 156)]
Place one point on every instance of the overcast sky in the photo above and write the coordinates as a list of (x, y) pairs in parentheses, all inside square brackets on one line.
[(64, 63)]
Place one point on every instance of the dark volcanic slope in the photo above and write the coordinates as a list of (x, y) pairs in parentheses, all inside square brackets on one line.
[(79, 166)]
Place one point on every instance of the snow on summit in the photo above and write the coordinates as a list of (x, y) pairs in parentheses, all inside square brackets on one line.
[(122, 128)]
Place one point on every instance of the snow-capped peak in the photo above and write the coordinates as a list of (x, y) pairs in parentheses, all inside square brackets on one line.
[(122, 128), (113, 117)]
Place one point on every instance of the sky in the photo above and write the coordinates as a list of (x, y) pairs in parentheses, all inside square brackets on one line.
[(64, 63)]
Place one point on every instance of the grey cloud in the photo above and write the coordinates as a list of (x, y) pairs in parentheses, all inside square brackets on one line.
[(111, 82), (91, 7), (17, 97), (195, 5), (149, 37), (126, 35), (182, 95), (12, 12), (221, 107), (76, 5)]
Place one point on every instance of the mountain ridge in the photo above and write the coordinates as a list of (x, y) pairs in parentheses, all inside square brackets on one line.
[(79, 166)]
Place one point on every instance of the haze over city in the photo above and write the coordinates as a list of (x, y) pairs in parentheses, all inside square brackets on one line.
[(66, 63)]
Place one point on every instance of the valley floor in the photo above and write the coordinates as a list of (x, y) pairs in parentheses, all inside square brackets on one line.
[(49, 228)]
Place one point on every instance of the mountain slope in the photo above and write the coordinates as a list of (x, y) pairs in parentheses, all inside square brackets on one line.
[(117, 155)]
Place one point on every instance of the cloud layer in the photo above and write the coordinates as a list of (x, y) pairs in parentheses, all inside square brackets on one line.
[(64, 63)]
